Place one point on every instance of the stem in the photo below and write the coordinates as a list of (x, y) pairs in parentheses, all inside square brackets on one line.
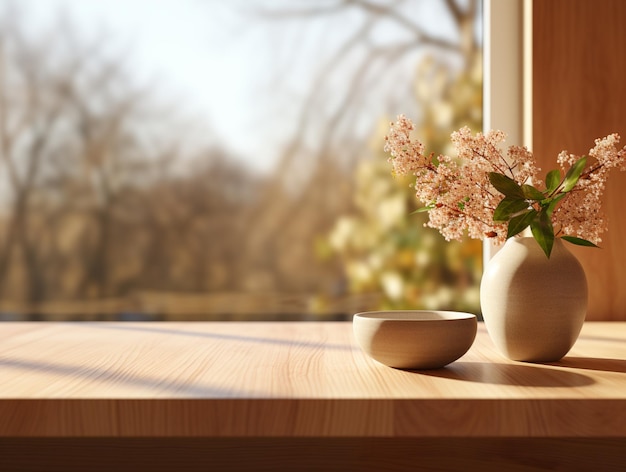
[(467, 215), (493, 164), (506, 163), (591, 171)]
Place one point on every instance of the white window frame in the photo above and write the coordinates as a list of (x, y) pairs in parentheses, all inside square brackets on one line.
[(507, 75)]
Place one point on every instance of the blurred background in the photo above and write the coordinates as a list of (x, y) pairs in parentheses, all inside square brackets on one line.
[(206, 160)]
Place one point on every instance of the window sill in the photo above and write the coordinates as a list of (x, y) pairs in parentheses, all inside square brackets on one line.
[(294, 382)]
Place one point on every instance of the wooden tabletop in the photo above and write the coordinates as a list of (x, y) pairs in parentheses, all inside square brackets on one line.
[(293, 379)]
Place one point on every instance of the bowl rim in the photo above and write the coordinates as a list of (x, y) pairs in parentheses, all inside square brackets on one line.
[(405, 315)]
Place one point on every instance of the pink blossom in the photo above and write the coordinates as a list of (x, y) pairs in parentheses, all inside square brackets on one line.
[(462, 200)]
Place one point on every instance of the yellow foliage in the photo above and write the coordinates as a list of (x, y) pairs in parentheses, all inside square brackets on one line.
[(386, 249)]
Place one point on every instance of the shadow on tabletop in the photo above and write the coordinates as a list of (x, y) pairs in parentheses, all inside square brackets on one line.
[(593, 363), (520, 375)]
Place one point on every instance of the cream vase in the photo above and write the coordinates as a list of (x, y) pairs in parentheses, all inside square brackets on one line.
[(533, 307)]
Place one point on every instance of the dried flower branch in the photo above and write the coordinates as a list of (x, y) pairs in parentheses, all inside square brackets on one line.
[(484, 194)]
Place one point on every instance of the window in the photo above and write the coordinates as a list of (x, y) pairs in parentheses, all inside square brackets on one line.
[(167, 159)]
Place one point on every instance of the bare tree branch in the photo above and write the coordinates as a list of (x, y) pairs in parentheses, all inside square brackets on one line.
[(455, 11)]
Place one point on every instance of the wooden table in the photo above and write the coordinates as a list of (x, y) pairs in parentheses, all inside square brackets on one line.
[(297, 396)]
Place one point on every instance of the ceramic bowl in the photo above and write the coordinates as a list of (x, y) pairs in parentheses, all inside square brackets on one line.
[(416, 339)]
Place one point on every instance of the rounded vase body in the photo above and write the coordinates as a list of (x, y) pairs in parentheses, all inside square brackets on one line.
[(533, 307)]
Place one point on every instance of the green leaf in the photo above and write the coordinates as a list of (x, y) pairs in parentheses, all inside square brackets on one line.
[(578, 241), (553, 179), (543, 232), (573, 174), (531, 193), (423, 209), (508, 207), (519, 223), (551, 203), (505, 185)]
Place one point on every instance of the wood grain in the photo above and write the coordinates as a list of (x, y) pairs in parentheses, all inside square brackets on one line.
[(579, 65), (293, 380)]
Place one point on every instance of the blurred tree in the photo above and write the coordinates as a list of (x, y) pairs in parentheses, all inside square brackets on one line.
[(363, 74), (102, 196), (388, 251), (98, 197)]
